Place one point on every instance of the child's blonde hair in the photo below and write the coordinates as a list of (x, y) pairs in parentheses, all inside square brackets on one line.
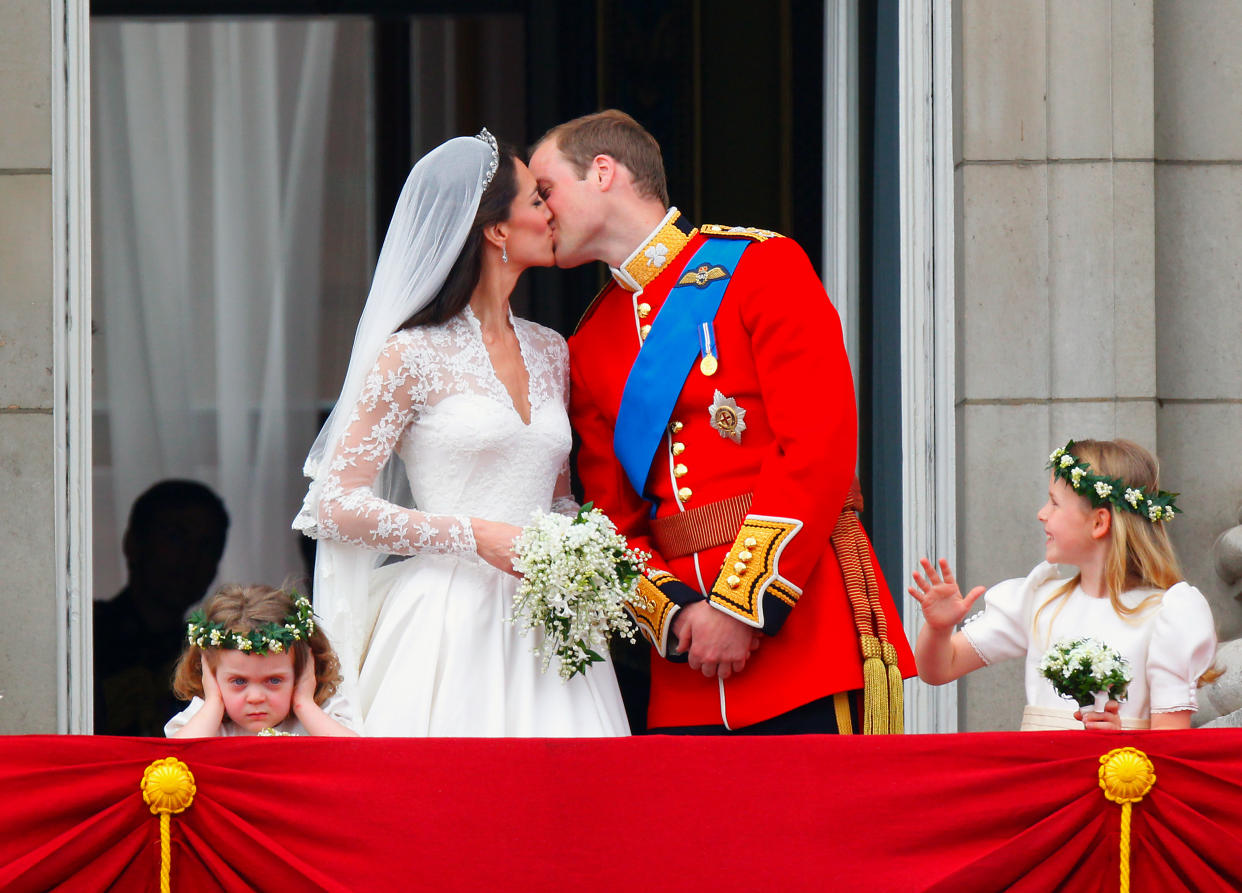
[(242, 608), (1140, 554)]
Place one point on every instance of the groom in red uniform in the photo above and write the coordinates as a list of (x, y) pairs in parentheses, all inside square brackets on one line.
[(715, 404)]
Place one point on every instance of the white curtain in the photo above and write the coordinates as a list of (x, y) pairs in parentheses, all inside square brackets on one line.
[(209, 140)]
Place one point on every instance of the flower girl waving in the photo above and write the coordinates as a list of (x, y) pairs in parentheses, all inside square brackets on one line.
[(256, 665), (1105, 515)]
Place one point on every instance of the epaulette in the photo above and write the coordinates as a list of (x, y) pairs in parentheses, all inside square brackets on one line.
[(590, 308), (738, 232)]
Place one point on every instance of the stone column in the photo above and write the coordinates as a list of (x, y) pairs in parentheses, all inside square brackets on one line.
[(1056, 241), (28, 616), (1198, 263)]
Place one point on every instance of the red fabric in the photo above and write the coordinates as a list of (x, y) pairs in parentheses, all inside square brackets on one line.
[(976, 812)]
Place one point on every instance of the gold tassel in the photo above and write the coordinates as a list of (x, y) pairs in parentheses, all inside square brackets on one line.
[(1126, 775), (168, 788), (896, 692), (875, 688)]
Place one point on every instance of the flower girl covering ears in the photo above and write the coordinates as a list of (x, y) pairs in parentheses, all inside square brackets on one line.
[(255, 664), (1105, 515)]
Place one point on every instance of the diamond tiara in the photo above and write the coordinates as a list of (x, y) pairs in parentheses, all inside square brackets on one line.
[(486, 136)]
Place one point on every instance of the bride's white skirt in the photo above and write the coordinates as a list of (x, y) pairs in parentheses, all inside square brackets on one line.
[(444, 661)]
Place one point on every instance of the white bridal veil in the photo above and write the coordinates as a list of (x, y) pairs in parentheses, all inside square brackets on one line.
[(429, 226)]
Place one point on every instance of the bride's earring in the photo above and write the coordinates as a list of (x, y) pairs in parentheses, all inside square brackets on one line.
[(504, 252)]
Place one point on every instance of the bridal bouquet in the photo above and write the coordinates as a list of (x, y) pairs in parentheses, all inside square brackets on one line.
[(1080, 668), (577, 574)]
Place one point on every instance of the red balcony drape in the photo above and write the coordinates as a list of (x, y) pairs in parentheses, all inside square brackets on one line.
[(969, 812)]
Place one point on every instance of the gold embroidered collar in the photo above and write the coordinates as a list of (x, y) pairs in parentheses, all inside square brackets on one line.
[(655, 253)]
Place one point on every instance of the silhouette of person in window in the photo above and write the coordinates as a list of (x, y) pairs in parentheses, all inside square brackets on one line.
[(172, 545)]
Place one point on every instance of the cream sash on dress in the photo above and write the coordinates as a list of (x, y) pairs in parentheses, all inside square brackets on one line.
[(1052, 719)]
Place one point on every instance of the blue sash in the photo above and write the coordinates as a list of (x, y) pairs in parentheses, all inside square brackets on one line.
[(667, 356)]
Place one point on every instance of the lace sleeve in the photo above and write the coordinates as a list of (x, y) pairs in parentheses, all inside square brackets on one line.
[(349, 510), (563, 502)]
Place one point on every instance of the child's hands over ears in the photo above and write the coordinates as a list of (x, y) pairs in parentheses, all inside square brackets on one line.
[(944, 606), (304, 689), (211, 685)]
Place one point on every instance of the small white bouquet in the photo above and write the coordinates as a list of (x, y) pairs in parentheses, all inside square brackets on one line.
[(577, 575), (1081, 669)]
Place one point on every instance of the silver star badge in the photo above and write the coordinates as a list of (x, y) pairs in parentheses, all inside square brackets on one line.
[(727, 417)]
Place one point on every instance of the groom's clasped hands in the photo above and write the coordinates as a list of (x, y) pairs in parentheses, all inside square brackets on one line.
[(718, 644)]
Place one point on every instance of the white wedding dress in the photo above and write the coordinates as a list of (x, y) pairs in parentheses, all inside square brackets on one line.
[(442, 657)]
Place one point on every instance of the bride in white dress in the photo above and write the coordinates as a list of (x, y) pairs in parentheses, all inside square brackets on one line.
[(445, 382)]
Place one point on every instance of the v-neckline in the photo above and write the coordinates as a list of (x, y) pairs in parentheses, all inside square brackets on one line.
[(478, 331)]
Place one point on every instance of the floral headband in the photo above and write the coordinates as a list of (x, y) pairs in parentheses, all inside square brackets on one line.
[(1103, 490), (273, 637)]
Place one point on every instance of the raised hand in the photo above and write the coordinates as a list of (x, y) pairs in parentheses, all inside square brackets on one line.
[(943, 604)]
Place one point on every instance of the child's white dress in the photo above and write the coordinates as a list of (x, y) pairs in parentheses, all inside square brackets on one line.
[(338, 707), (1169, 645)]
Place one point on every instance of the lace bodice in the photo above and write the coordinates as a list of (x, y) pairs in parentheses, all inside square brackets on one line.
[(434, 399)]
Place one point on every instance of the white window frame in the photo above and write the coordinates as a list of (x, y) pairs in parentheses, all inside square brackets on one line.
[(71, 338), (928, 432)]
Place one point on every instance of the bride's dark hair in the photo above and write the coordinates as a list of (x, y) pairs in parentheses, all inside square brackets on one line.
[(494, 206)]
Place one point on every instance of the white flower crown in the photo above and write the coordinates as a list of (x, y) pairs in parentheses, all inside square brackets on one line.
[(1104, 490)]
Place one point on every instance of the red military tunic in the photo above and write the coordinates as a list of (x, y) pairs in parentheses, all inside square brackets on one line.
[(791, 443)]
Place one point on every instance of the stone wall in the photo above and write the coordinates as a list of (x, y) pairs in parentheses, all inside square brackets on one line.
[(1198, 138), (1099, 235), (28, 621)]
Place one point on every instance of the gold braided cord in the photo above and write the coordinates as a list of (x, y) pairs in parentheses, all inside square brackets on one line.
[(841, 704), (1123, 870), (883, 708), (168, 789), (165, 853), (1126, 775)]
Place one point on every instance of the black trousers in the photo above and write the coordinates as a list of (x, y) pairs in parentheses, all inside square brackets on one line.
[(815, 718)]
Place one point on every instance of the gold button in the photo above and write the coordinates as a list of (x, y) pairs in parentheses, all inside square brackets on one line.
[(750, 542), (675, 426), (678, 448), (739, 566), (734, 581), (684, 494), (644, 310), (644, 332), (744, 555), (680, 470)]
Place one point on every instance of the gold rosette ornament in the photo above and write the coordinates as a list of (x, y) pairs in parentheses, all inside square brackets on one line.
[(168, 789), (1126, 775)]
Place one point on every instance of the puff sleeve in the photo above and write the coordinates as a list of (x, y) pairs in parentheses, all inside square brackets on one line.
[(1183, 645), (1003, 630)]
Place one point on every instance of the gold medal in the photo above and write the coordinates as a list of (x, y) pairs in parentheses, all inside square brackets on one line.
[(708, 365)]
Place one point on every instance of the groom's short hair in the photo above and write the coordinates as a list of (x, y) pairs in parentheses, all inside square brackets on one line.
[(613, 132)]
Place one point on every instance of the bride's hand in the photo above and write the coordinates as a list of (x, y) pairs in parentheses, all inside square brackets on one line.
[(493, 540)]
